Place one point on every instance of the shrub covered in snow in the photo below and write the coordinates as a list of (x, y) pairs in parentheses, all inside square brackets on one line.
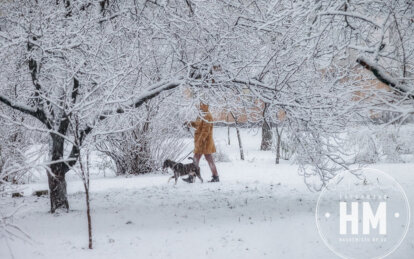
[(13, 143), (364, 144), (382, 143), (155, 137)]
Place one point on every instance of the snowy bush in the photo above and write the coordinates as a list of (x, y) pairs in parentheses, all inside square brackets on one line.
[(105, 163), (406, 140), (157, 136), (381, 143), (363, 144), (396, 142), (129, 151), (13, 142), (140, 152), (286, 150), (8, 230)]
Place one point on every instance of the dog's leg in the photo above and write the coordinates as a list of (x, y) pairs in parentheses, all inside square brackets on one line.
[(176, 177), (199, 175), (169, 179), (192, 175)]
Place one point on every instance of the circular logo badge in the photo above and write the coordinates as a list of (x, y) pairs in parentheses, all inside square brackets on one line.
[(363, 214)]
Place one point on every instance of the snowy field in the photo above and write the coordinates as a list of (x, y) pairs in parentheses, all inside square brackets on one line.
[(258, 210)]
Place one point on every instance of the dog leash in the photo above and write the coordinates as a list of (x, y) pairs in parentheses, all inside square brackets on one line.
[(179, 161)]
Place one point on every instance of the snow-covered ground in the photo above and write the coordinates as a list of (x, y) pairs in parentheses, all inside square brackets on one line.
[(258, 210)]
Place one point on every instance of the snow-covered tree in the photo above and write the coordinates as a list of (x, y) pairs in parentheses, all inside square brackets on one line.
[(70, 57)]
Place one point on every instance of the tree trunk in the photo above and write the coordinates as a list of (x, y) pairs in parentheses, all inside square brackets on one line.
[(88, 214), (266, 132), (266, 136), (56, 176), (279, 136), (240, 143), (238, 136), (228, 135), (278, 150), (58, 194)]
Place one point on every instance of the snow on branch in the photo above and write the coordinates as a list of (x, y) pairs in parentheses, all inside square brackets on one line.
[(147, 94), (354, 15), (112, 17), (362, 49), (382, 76), (20, 107), (253, 82), (39, 114)]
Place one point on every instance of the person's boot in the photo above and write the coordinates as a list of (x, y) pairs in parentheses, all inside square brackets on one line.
[(189, 179), (214, 179)]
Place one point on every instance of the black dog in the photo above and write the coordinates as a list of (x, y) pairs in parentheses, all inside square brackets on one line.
[(182, 169)]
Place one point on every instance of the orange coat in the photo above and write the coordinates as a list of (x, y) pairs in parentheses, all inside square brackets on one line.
[(203, 137)]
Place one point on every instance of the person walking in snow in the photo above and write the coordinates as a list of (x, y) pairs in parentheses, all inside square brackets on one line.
[(203, 141)]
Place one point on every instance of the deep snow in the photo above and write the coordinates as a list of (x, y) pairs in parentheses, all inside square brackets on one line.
[(258, 210)]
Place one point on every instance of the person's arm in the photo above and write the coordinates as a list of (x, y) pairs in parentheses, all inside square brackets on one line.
[(188, 124)]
